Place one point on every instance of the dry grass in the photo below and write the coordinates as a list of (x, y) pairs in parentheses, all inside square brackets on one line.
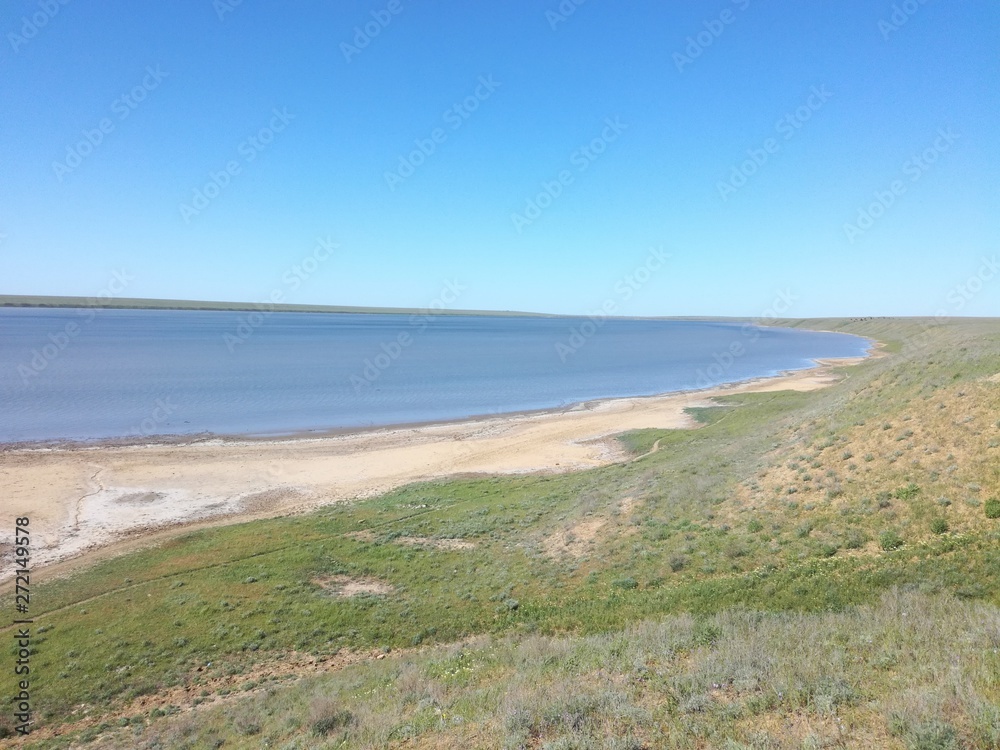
[(913, 672)]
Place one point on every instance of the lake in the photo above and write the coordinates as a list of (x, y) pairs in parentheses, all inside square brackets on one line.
[(91, 373)]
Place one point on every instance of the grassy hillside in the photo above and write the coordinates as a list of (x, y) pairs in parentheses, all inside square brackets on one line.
[(804, 570)]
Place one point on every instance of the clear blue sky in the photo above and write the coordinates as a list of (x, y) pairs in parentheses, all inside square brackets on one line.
[(689, 111)]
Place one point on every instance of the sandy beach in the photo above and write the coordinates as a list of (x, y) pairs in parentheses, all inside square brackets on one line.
[(87, 502)]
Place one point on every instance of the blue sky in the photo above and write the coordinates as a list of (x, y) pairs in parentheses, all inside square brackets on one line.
[(843, 156)]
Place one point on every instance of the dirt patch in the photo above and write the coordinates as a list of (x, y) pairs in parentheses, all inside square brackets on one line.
[(422, 541), (994, 378), (275, 497), (140, 498), (347, 586), (576, 540), (627, 505), (416, 541)]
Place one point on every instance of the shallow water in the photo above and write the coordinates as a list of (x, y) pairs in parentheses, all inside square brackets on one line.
[(78, 374)]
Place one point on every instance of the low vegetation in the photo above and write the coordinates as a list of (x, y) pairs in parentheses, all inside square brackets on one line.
[(803, 570)]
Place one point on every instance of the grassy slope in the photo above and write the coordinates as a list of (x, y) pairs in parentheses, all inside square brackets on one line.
[(781, 502)]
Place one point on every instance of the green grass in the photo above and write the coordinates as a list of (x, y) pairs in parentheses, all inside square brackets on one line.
[(767, 506)]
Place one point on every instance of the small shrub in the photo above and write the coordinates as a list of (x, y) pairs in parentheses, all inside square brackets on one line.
[(325, 717), (754, 526), (992, 508), (677, 563), (890, 540), (855, 539), (939, 526), (625, 583)]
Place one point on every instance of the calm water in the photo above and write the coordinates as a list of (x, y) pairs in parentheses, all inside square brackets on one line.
[(112, 373)]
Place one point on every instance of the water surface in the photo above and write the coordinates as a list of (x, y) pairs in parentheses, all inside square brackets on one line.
[(81, 374)]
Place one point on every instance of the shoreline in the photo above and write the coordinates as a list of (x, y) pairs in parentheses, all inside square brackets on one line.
[(320, 433), (99, 499)]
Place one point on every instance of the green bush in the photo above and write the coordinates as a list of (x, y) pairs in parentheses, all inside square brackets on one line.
[(855, 539), (939, 526), (992, 508), (890, 540), (754, 526), (327, 723), (908, 492)]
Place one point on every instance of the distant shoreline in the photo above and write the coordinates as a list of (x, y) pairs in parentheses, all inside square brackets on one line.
[(30, 301), (141, 303)]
